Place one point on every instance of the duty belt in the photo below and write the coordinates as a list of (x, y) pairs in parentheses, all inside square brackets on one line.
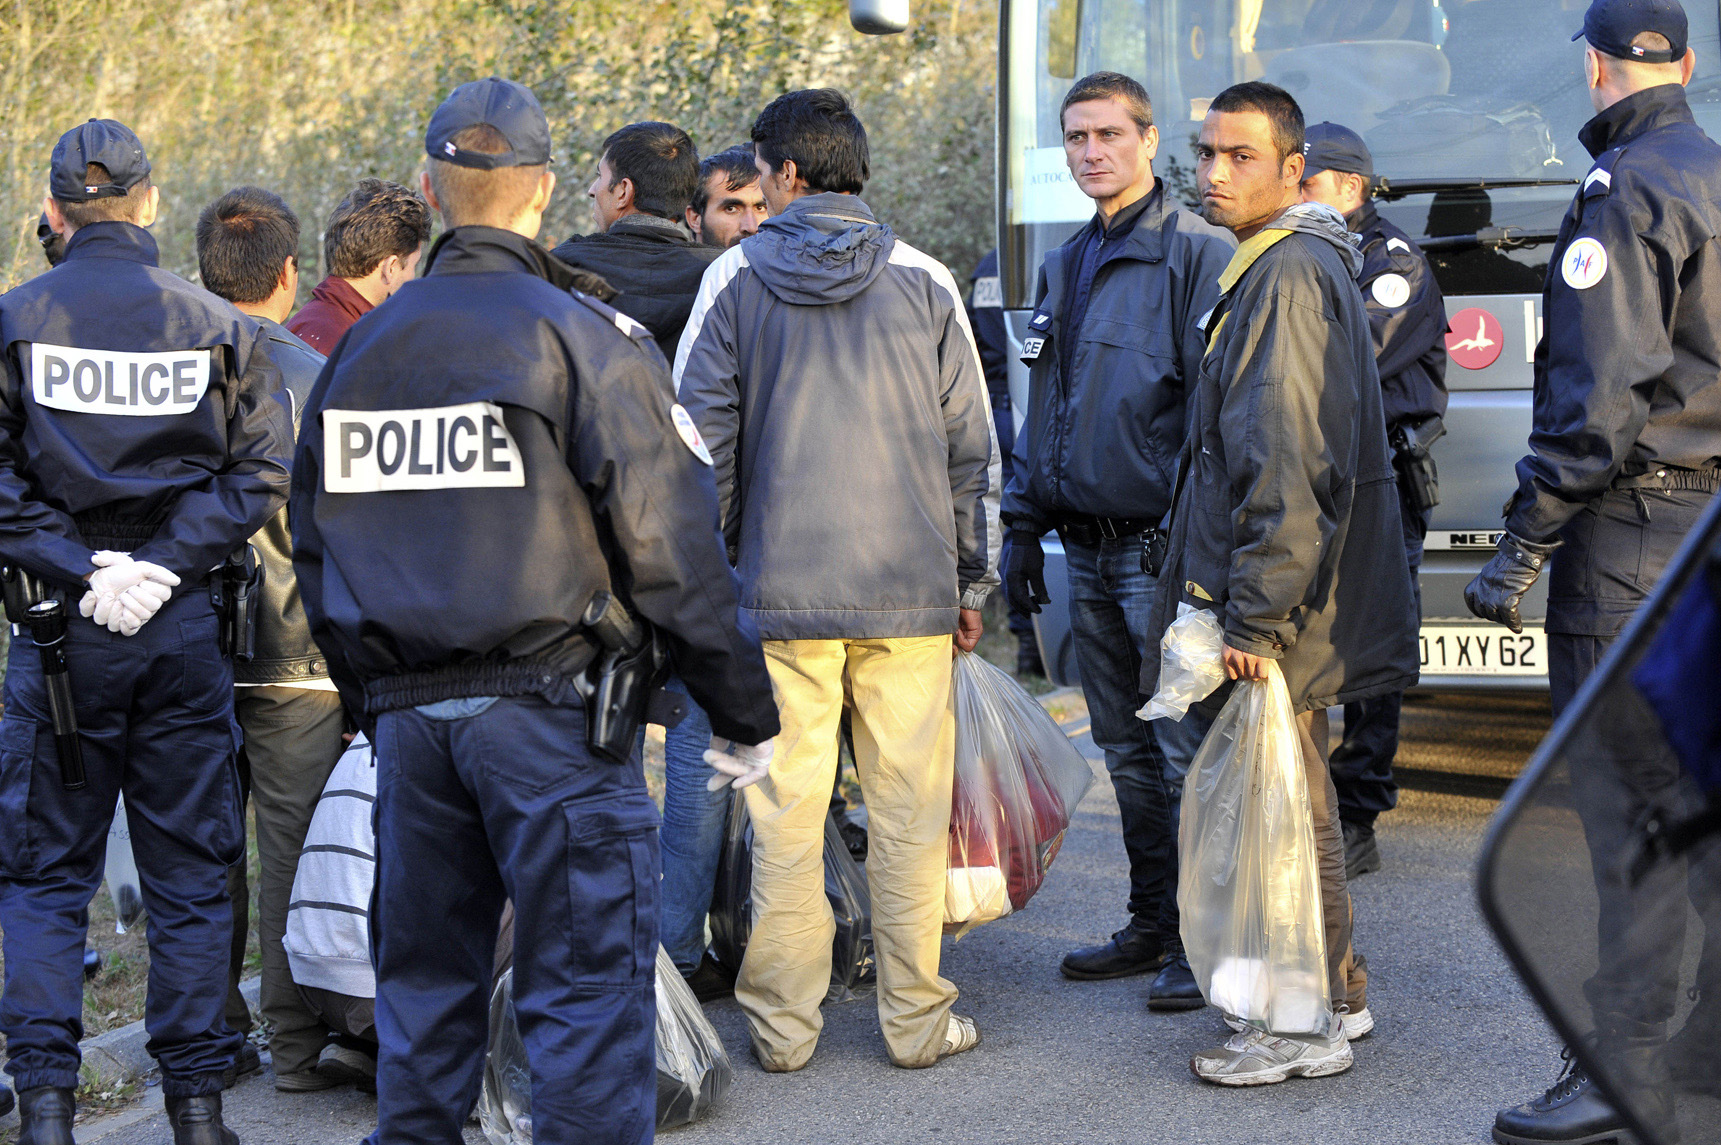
[(1086, 530), (1670, 478)]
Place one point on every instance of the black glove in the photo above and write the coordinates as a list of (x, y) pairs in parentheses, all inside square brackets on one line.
[(1025, 575), (1503, 581)]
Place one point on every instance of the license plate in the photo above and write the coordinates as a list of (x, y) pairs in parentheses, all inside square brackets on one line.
[(1477, 650)]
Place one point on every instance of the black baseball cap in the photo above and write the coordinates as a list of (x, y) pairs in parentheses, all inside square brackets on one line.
[(1331, 147), (508, 107), (1611, 25), (105, 141)]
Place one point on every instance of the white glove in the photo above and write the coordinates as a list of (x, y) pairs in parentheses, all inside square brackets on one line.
[(740, 763), (117, 574)]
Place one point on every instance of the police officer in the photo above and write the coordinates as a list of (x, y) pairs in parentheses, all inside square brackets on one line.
[(1623, 454), (145, 438), (1408, 318), (480, 460)]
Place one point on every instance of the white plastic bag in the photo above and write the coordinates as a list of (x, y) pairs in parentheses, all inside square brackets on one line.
[(1191, 663), (121, 872), (1248, 884)]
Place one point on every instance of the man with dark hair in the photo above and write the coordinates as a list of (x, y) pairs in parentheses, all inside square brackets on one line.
[(1408, 317), (1105, 421), (289, 712), (727, 207), (1286, 522), (647, 175), (370, 250), (566, 465), (116, 501), (831, 369)]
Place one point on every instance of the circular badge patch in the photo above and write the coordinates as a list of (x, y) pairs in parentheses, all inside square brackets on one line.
[(1391, 291), (689, 432), (1475, 338), (1584, 264)]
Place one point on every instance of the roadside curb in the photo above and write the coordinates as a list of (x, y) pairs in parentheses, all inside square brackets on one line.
[(118, 1056)]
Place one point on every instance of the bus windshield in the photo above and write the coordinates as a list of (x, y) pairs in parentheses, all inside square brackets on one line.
[(1442, 91)]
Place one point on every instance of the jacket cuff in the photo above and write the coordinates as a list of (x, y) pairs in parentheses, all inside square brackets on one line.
[(1244, 640), (974, 596)]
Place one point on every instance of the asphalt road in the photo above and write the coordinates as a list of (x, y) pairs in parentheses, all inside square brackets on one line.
[(1063, 1061)]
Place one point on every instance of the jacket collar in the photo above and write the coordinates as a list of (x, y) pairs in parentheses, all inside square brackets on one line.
[(1246, 254), (1635, 114), (343, 296), (1363, 219), (828, 205), (279, 333), (492, 250), (643, 226), (113, 240), (1144, 219)]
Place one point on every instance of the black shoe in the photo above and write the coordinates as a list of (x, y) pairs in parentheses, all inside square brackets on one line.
[(854, 837), (1693, 1057), (1174, 988), (1573, 1112), (1130, 951), (1028, 662), (246, 1062), (710, 981), (45, 1116), (1362, 855), (197, 1121), (7, 1101)]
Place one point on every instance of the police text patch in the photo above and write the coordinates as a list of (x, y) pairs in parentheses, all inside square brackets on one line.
[(450, 447), (114, 381)]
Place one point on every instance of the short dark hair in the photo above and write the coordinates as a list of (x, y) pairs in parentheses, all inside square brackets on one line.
[(660, 159), (1111, 85), (816, 128), (375, 220), (735, 165), (1273, 102), (108, 208), (243, 240)]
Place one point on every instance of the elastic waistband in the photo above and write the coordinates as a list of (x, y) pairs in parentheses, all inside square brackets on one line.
[(1668, 477), (558, 683), (118, 533)]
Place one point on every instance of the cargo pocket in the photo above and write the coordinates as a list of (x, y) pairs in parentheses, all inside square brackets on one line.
[(206, 676), (17, 770), (612, 887)]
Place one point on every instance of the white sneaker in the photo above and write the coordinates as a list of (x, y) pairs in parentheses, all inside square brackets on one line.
[(959, 1037), (1356, 1025), (1255, 1058)]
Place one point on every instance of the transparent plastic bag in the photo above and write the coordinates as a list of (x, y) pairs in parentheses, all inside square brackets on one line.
[(852, 968), (694, 1075), (1018, 778), (1248, 885), (1191, 663), (121, 873)]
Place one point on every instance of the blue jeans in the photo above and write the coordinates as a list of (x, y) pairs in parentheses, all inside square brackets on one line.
[(1111, 603), (692, 835)]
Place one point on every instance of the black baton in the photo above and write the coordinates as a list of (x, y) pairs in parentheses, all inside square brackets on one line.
[(47, 621)]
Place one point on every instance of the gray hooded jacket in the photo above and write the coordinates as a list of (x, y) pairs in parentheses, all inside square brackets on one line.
[(832, 372), (1286, 520)]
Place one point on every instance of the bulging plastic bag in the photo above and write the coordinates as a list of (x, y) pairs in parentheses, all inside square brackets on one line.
[(694, 1075), (852, 967), (1248, 883), (121, 872), (1018, 778), (1191, 663)]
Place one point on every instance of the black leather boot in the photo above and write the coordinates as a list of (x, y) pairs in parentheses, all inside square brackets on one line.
[(7, 1101), (197, 1121), (1573, 1112), (1130, 951), (1694, 1053), (45, 1116), (1174, 988)]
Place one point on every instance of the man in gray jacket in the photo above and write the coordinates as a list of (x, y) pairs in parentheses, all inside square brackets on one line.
[(1287, 521), (831, 369), (1113, 350)]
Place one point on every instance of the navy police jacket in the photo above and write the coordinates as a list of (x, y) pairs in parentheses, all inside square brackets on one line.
[(1407, 316), (1628, 370), (478, 459), (137, 412)]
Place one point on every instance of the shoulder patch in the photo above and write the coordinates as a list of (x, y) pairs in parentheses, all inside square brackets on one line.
[(1584, 264), (1391, 290), (689, 433), (1598, 182), (1397, 244)]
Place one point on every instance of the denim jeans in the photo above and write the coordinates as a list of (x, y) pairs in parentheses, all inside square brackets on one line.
[(1111, 602), (692, 835)]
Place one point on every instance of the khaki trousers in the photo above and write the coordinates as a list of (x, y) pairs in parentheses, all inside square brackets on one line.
[(904, 738), (1347, 971)]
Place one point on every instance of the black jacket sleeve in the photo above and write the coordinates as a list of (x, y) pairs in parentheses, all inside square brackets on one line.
[(33, 533)]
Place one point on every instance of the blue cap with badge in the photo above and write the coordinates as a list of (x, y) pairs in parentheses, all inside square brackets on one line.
[(1333, 147), (1611, 25), (509, 108), (105, 141)]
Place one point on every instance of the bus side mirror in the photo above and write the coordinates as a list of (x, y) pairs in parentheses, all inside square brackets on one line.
[(879, 17)]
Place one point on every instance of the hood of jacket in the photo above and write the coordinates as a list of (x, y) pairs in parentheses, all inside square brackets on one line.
[(824, 248), (1322, 221)]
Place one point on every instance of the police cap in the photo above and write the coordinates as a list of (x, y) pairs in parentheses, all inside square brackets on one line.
[(1611, 25), (508, 107), (1330, 147), (105, 141)]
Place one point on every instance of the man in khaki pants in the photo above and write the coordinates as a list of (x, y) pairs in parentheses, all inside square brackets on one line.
[(832, 372)]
